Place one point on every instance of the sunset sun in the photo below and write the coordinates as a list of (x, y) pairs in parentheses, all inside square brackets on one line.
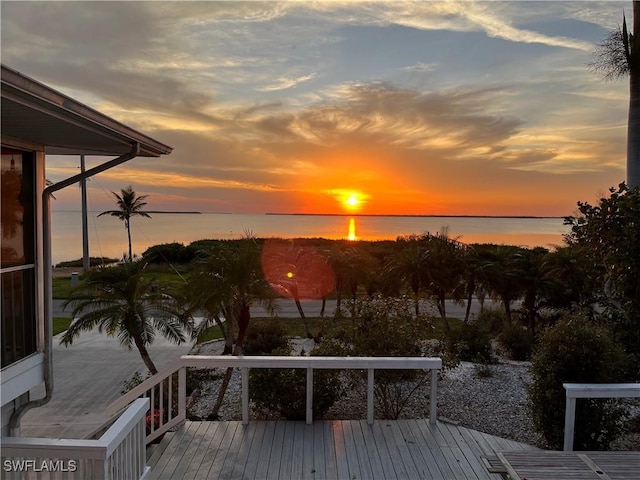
[(350, 200)]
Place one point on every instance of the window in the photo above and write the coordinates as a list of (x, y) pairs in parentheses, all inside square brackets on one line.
[(19, 323)]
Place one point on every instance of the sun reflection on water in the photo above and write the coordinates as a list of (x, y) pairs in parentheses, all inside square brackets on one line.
[(352, 230)]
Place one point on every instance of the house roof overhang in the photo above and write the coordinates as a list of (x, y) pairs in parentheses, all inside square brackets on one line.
[(35, 113)]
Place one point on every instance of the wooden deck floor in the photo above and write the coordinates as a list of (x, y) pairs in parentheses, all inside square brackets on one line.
[(344, 449)]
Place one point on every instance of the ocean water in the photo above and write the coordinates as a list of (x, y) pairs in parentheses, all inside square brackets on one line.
[(108, 237)]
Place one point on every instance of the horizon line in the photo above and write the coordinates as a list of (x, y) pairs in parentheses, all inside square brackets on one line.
[(409, 215)]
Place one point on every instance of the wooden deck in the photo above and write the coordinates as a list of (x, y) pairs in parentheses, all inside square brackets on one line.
[(339, 449)]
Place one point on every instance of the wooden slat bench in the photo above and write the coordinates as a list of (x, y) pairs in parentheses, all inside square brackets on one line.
[(553, 465)]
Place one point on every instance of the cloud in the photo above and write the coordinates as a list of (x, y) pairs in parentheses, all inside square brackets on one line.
[(284, 83), (268, 102), (421, 67)]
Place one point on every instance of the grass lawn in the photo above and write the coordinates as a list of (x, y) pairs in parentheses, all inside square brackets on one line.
[(61, 287), (60, 324)]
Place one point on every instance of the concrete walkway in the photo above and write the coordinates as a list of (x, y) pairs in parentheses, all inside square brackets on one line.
[(88, 376)]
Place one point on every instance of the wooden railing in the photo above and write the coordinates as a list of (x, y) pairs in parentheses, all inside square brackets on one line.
[(163, 387), (591, 390), (120, 453)]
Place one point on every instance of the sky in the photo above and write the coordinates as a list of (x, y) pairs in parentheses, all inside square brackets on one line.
[(412, 108)]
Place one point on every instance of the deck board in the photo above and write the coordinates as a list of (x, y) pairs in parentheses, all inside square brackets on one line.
[(332, 449)]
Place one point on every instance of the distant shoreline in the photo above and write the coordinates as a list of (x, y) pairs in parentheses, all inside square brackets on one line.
[(181, 213), (156, 212), (409, 215)]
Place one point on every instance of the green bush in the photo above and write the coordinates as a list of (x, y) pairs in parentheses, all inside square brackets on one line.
[(384, 327), (493, 319), (171, 253), (283, 391), (263, 337), (517, 341), (576, 351), (470, 342)]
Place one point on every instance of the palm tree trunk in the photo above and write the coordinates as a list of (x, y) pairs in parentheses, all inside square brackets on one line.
[(303, 317), (633, 128), (443, 311), (226, 334), (243, 324), (633, 125), (507, 309), (127, 224), (145, 354), (471, 288)]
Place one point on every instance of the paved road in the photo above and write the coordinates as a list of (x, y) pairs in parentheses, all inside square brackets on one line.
[(311, 308)]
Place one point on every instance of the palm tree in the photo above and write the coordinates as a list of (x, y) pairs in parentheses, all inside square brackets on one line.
[(617, 56), (121, 301), (445, 271), (297, 271), (503, 275), (129, 205), (228, 281), (351, 266), (407, 265)]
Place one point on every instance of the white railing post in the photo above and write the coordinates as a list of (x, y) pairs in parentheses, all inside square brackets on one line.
[(182, 393), (370, 395), (569, 423), (591, 390), (433, 412), (309, 395), (245, 395)]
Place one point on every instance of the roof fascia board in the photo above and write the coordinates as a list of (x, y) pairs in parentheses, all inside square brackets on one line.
[(34, 89)]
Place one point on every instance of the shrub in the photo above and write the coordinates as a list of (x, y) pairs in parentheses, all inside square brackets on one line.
[(385, 327), (517, 341), (283, 391), (470, 342), (493, 319), (132, 383), (576, 351), (169, 253), (263, 337)]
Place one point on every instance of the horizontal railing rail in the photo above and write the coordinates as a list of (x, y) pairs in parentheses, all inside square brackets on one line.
[(120, 453), (591, 390), (162, 387)]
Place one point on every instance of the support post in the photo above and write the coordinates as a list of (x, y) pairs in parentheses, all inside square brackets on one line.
[(309, 395), (85, 227), (433, 413), (182, 393), (370, 383), (245, 395), (569, 423)]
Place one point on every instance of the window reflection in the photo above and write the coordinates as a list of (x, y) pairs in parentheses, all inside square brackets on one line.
[(17, 281), (17, 208)]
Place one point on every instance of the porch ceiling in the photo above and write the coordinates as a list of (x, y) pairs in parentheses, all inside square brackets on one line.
[(35, 113)]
